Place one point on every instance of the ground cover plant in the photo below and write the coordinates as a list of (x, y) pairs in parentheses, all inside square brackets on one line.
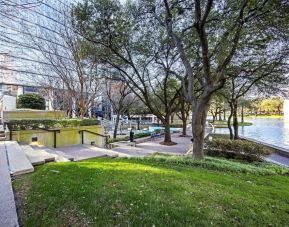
[(154, 191), (126, 138), (222, 146), (50, 124)]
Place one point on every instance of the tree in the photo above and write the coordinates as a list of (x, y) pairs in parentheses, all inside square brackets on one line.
[(138, 49), (273, 105), (31, 101), (217, 107), (183, 113), (216, 30), (267, 73), (120, 98), (62, 51)]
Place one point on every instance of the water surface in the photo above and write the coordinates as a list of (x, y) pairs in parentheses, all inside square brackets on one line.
[(270, 130)]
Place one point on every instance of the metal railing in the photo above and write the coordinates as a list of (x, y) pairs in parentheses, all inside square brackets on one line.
[(94, 133), (44, 129)]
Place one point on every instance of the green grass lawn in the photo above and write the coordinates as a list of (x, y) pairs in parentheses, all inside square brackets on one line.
[(154, 191), (223, 124), (265, 116)]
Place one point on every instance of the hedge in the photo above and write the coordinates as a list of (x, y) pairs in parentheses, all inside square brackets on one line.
[(50, 124), (237, 149)]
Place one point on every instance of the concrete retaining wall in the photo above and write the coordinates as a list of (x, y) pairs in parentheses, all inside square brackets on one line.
[(66, 137)]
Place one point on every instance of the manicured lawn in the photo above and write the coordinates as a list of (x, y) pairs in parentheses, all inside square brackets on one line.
[(265, 116), (223, 124), (155, 191)]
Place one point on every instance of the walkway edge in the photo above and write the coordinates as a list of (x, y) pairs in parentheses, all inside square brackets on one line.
[(8, 214)]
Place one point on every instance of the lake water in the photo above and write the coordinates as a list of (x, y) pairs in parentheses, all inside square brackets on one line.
[(270, 130)]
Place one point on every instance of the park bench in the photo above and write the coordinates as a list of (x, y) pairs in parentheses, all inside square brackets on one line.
[(155, 135)]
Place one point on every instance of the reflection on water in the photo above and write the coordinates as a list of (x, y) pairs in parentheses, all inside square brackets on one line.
[(270, 130)]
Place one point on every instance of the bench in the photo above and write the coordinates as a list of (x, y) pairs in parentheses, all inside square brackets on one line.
[(155, 135)]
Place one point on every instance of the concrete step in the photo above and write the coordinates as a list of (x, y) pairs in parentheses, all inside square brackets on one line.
[(109, 153), (32, 155), (18, 161), (60, 156), (82, 152), (41, 152)]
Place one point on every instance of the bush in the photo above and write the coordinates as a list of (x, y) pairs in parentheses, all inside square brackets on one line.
[(50, 124), (31, 101), (126, 138), (237, 149)]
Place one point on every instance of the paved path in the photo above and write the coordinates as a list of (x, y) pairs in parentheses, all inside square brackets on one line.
[(181, 147), (8, 214), (278, 159)]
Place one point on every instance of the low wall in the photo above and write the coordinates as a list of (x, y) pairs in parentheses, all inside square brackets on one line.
[(66, 137), (32, 114)]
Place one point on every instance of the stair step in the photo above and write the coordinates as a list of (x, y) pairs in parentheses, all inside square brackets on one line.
[(32, 155), (109, 153), (47, 157), (18, 161), (60, 156)]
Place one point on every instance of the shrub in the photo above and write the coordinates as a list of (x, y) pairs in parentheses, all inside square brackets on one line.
[(237, 149), (126, 138), (141, 135), (31, 101), (50, 124)]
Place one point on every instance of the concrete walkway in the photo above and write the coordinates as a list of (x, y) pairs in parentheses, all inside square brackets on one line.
[(278, 159), (154, 146), (8, 214)]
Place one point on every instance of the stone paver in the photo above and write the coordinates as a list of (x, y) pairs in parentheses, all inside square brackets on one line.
[(8, 214)]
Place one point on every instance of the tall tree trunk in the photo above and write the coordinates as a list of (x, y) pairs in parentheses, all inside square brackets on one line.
[(224, 114), (184, 121), (242, 113), (235, 120), (199, 125), (229, 122), (220, 115), (116, 125), (167, 138), (172, 119)]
